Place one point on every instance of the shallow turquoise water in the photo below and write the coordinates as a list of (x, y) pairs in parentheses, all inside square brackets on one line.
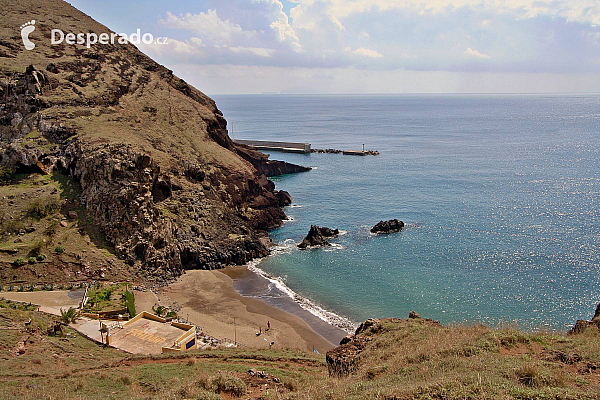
[(500, 195)]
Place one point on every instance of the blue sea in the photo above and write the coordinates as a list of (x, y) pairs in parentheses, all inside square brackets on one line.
[(499, 193)]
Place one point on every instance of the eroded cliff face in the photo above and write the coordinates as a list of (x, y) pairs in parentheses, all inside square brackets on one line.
[(159, 175)]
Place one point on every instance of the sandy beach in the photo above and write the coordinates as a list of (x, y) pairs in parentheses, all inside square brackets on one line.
[(209, 300)]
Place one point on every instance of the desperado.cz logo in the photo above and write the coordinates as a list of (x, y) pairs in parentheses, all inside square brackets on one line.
[(57, 36)]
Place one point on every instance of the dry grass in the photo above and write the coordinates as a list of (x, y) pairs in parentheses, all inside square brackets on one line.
[(407, 360), (413, 360)]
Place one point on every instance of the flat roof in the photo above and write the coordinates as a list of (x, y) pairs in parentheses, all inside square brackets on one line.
[(145, 336)]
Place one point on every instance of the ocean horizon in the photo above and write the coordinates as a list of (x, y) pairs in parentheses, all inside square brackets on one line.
[(499, 194)]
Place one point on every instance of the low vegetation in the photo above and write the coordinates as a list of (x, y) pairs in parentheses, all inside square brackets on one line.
[(43, 207), (40, 224), (110, 297)]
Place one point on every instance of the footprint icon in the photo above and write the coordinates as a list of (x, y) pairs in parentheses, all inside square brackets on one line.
[(26, 29)]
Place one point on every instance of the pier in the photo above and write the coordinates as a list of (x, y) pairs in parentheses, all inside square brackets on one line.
[(288, 147), (303, 148)]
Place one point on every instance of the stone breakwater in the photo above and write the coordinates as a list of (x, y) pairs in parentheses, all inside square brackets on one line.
[(347, 152)]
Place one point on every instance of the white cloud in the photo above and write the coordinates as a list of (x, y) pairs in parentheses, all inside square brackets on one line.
[(280, 25), (209, 26), (474, 53), (367, 53), (259, 51), (583, 11), (419, 35)]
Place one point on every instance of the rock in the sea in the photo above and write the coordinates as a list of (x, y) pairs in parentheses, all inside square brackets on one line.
[(393, 225), (284, 198), (582, 325), (318, 236)]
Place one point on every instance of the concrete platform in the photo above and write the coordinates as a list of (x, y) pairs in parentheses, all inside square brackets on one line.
[(145, 337)]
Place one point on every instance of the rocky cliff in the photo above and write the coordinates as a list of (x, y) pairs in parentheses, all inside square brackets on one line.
[(159, 176)]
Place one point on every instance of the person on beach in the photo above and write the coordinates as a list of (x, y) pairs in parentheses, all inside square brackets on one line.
[(268, 325)]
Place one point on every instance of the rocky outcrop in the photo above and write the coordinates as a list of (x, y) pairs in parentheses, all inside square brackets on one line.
[(318, 237), (581, 325), (345, 359), (393, 225)]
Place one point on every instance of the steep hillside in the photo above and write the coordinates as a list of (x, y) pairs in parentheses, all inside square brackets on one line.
[(161, 185)]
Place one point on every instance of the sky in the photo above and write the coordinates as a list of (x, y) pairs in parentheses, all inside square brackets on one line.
[(368, 46)]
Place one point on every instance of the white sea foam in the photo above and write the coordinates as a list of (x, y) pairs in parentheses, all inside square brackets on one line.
[(295, 206), (334, 247), (328, 316)]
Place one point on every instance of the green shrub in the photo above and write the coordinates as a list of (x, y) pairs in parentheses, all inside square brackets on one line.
[(69, 315), (19, 261), (42, 207), (130, 303), (6, 175), (31, 260), (60, 249), (41, 257), (160, 310), (206, 395)]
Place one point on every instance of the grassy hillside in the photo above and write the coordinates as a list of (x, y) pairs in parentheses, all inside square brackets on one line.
[(399, 359)]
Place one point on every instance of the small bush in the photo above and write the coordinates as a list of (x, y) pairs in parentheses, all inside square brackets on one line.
[(528, 375), (41, 208), (31, 260), (19, 261), (229, 384), (69, 315), (60, 249), (160, 310), (206, 395), (41, 257), (6, 175), (130, 303)]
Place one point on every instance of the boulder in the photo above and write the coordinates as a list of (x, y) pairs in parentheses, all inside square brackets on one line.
[(393, 225), (414, 315), (318, 237)]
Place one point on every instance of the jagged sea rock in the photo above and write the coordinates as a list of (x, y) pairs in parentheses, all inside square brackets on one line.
[(318, 236), (581, 325), (284, 198), (393, 225)]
